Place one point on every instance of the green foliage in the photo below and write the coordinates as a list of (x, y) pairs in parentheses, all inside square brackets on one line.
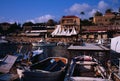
[(82, 13), (86, 22), (13, 28), (98, 13), (108, 11), (28, 24), (51, 22)]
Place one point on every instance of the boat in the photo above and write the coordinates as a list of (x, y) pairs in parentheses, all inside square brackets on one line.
[(37, 52), (49, 69), (85, 68), (42, 42), (7, 68), (62, 43), (3, 41)]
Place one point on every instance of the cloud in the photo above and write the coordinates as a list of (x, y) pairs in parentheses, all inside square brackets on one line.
[(102, 6), (92, 12), (2, 18), (9, 20), (77, 8), (43, 18), (89, 10)]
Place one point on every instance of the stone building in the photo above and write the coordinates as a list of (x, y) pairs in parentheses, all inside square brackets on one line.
[(111, 18), (70, 21), (106, 26)]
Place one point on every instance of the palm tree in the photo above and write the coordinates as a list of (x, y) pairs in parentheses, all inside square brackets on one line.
[(82, 13)]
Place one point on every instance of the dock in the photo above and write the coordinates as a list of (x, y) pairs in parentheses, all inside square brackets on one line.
[(88, 47)]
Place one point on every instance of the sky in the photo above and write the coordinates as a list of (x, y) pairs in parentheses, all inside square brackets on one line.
[(38, 11)]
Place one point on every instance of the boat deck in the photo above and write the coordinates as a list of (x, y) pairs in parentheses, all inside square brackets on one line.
[(84, 71)]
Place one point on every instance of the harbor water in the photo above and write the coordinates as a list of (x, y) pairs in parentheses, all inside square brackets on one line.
[(50, 51)]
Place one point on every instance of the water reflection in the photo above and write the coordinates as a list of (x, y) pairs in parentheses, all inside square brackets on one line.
[(53, 51)]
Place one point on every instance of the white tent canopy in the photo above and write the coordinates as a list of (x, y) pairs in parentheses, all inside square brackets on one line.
[(73, 32), (62, 32), (115, 44)]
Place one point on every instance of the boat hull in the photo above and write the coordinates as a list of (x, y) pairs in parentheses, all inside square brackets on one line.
[(43, 76), (38, 74)]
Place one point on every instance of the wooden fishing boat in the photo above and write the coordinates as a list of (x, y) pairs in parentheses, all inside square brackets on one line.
[(85, 68), (7, 67), (50, 69)]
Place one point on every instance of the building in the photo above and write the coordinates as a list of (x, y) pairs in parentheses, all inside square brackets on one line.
[(70, 22), (50, 29), (94, 32), (35, 30), (69, 26), (67, 30), (106, 26), (111, 18)]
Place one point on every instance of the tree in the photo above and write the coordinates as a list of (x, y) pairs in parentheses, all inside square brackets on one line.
[(28, 24), (82, 13), (14, 28), (51, 22), (98, 13), (108, 11), (86, 22), (0, 29)]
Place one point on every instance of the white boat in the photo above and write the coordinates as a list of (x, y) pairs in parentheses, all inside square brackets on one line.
[(62, 43), (3, 41), (43, 43), (37, 52), (85, 68)]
